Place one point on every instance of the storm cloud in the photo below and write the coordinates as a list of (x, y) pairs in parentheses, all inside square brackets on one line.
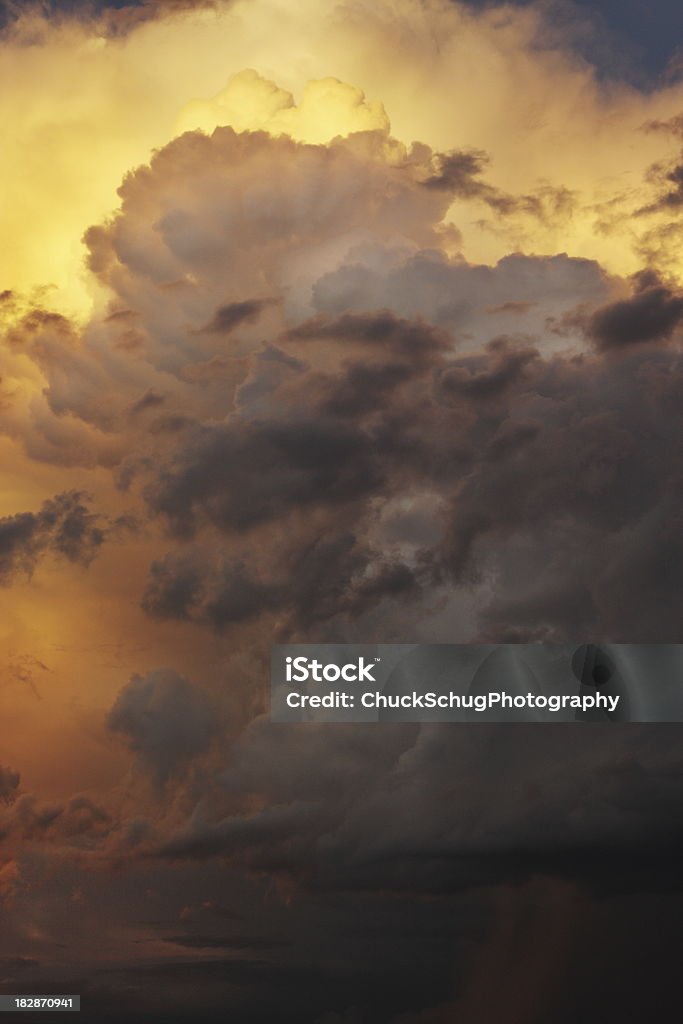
[(9, 785), (363, 394), (654, 312), (64, 526), (166, 721), (352, 388)]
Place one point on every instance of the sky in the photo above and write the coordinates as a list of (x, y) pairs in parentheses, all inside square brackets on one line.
[(636, 39), (639, 39), (334, 322)]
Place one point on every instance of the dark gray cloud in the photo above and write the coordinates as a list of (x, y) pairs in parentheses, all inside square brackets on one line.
[(64, 526), (488, 376), (548, 473), (652, 313), (237, 477), (79, 823), (226, 318), (166, 721), (193, 588), (382, 330), (347, 814), (519, 293), (458, 173), (308, 582), (150, 400), (671, 198), (666, 176), (9, 785)]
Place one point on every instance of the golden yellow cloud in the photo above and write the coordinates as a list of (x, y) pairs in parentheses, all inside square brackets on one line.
[(79, 110), (328, 108)]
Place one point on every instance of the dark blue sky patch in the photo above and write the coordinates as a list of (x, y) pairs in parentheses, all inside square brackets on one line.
[(637, 40)]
